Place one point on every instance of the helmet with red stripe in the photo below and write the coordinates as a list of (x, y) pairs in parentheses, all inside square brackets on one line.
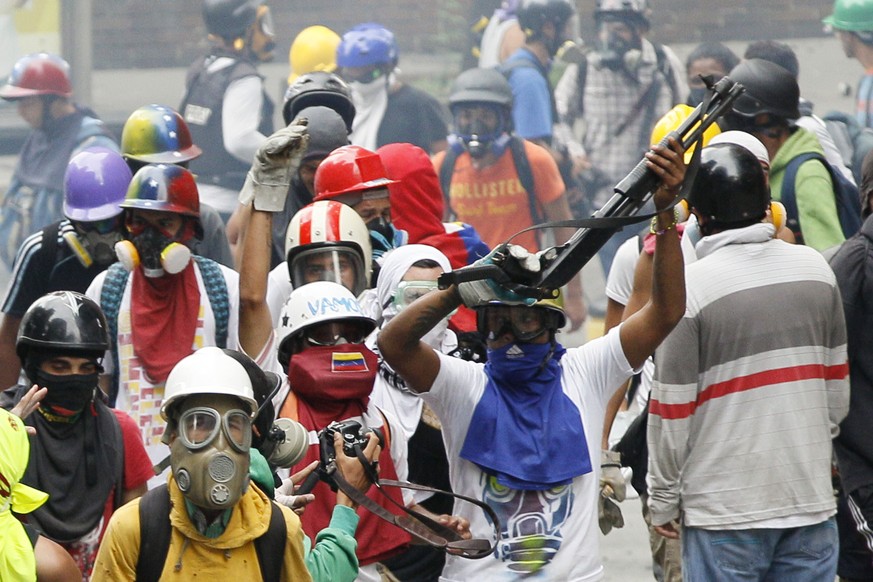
[(328, 241)]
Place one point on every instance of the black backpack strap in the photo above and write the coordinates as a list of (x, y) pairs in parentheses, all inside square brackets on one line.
[(447, 169), (154, 534), (270, 547), (525, 176)]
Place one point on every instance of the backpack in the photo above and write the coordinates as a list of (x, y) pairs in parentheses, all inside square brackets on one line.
[(113, 290), (852, 139), (522, 168), (155, 531), (845, 193)]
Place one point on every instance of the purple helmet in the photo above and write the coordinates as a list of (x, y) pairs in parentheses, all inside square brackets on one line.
[(367, 44), (95, 184)]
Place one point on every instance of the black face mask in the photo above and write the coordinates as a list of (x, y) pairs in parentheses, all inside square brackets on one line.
[(383, 227), (71, 392), (150, 244)]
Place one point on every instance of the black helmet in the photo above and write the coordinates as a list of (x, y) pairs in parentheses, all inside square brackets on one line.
[(229, 18), (533, 14), (319, 88), (481, 86), (730, 186), (769, 89), (63, 321), (265, 385)]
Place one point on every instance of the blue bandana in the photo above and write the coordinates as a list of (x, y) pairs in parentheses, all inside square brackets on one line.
[(525, 431)]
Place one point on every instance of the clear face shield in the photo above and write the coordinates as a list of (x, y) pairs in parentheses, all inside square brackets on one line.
[(336, 264)]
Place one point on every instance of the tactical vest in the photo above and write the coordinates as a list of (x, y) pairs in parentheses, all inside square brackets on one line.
[(202, 110)]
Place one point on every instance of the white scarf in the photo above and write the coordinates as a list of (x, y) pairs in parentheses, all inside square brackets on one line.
[(371, 101)]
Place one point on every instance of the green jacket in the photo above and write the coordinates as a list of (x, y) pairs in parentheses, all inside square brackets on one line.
[(816, 203)]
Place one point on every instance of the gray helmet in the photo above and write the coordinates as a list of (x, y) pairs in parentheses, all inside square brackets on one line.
[(229, 18), (636, 11), (769, 89), (730, 186), (319, 88), (481, 86), (533, 14)]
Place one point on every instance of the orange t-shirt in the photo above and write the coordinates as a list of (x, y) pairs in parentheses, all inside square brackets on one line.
[(493, 200)]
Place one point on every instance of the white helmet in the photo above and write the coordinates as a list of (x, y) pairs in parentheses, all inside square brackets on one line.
[(208, 371), (316, 303), (328, 226)]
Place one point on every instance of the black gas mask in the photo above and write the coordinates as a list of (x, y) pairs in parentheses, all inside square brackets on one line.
[(613, 51)]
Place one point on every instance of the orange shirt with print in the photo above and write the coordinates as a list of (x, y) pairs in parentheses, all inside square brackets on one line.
[(492, 199)]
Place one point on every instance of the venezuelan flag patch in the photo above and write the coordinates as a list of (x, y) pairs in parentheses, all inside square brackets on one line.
[(349, 362)]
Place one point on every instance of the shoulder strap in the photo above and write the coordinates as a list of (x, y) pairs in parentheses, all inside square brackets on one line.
[(270, 547), (447, 169), (525, 176), (118, 437), (666, 69), (216, 291), (110, 302), (154, 534), (788, 194), (49, 247), (581, 79)]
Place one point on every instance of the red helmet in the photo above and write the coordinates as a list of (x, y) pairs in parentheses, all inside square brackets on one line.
[(347, 170), (164, 188), (38, 74)]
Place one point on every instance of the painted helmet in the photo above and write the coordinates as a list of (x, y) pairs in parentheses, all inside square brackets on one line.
[(95, 185), (367, 44), (38, 74), (164, 188), (157, 134)]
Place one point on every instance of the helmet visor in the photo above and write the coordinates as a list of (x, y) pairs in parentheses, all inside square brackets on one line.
[(335, 264)]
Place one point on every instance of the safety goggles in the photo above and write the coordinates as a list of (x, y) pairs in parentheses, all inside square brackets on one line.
[(105, 226), (360, 74), (199, 426), (525, 323), (409, 291), (332, 333)]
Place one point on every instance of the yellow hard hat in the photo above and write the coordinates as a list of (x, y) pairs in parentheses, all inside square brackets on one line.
[(555, 304), (314, 49), (673, 119)]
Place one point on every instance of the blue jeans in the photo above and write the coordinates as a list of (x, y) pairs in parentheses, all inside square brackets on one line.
[(799, 554)]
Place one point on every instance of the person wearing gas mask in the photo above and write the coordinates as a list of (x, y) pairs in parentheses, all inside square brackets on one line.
[(281, 443), (39, 86), (225, 104), (157, 134), (355, 176), (161, 301), (68, 254), (88, 457), (208, 521), (496, 181), (523, 431), (619, 90), (387, 110)]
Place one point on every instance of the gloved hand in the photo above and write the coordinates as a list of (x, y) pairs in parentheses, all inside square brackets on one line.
[(612, 483), (608, 515), (482, 292), (284, 495), (275, 163)]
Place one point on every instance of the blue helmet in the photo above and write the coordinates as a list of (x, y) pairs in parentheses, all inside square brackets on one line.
[(367, 44)]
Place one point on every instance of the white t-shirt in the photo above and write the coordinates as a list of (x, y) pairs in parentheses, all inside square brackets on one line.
[(137, 395), (558, 527)]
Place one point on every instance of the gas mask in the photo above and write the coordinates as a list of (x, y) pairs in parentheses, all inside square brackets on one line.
[(261, 39), (479, 138), (383, 236), (94, 242), (612, 51), (210, 455), (155, 250)]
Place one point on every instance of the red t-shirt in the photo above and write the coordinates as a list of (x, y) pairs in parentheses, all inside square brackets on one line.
[(137, 471), (493, 200)]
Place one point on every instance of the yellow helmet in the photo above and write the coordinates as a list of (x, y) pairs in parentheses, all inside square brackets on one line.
[(673, 119), (555, 304), (314, 49)]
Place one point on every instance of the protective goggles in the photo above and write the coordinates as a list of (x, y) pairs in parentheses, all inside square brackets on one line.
[(199, 427), (524, 323), (409, 291), (332, 333), (104, 226), (363, 75)]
